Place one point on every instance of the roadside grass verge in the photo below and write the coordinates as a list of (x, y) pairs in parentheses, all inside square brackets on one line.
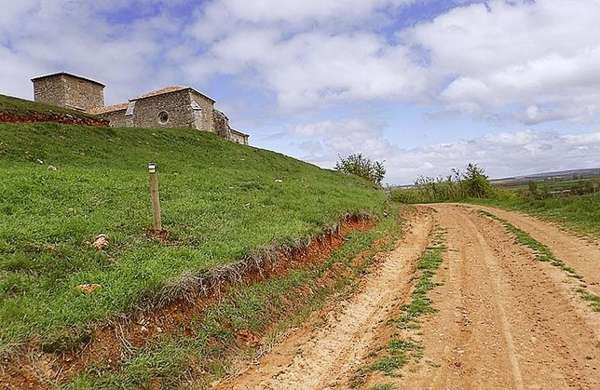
[(401, 348), (261, 310), (580, 213), (222, 203), (544, 254)]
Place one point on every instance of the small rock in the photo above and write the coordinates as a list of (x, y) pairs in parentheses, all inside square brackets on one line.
[(100, 242), (88, 288)]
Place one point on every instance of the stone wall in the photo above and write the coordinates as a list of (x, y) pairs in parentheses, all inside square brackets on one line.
[(116, 118), (221, 124), (82, 94), (50, 90), (176, 106), (238, 137), (203, 117), (68, 91)]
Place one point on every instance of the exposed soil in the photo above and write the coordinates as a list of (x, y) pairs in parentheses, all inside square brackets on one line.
[(33, 368), (581, 253), (503, 319), (56, 117)]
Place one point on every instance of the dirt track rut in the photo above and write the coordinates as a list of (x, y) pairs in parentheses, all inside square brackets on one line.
[(503, 319)]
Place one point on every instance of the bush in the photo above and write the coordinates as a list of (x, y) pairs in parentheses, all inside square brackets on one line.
[(358, 165), (457, 186)]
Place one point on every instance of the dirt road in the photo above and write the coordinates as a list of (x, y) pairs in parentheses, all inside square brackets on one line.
[(502, 318)]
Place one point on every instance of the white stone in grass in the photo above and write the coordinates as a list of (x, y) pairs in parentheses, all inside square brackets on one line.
[(88, 288), (100, 242)]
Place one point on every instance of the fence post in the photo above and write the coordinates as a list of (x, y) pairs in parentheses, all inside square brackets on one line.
[(156, 222)]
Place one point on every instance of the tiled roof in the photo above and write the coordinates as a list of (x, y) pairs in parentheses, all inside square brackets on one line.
[(107, 109), (66, 74), (173, 88)]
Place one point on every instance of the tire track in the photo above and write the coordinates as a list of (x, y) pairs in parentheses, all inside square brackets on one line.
[(323, 357), (521, 328)]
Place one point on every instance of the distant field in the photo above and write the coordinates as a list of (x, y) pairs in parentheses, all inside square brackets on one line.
[(63, 185), (551, 185)]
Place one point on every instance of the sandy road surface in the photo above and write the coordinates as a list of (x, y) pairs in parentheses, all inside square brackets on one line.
[(504, 320), (578, 252)]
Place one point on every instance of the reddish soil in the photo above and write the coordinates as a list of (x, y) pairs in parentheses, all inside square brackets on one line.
[(56, 117), (32, 368)]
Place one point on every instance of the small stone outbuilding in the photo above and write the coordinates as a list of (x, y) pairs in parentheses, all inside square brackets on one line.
[(171, 107), (70, 91)]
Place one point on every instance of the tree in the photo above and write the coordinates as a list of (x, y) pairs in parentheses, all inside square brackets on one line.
[(358, 165), (533, 188), (476, 182)]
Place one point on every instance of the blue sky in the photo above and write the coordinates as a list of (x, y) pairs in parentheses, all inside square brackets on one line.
[(426, 85)]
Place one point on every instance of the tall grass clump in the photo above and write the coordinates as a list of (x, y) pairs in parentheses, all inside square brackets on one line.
[(458, 186)]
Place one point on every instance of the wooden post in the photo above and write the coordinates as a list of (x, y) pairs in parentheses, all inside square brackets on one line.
[(156, 223)]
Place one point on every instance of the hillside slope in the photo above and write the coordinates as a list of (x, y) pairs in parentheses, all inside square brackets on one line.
[(64, 185), (15, 110)]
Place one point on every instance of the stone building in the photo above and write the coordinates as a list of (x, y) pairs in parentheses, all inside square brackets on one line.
[(67, 90), (171, 107)]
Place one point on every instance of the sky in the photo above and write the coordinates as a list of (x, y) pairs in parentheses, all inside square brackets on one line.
[(424, 85)]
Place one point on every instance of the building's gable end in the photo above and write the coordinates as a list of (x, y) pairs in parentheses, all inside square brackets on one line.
[(202, 111), (170, 110)]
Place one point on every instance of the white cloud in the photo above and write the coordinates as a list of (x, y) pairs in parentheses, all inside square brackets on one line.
[(501, 154), (289, 14), (543, 54), (500, 58), (311, 69), (322, 142)]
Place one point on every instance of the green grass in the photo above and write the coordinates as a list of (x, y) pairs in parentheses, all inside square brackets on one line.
[(23, 107), (540, 251), (427, 266), (550, 185), (386, 386), (400, 351), (580, 213), (63, 185), (592, 299), (205, 356), (544, 254)]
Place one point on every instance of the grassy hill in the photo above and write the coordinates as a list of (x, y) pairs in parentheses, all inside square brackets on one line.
[(21, 107), (64, 185)]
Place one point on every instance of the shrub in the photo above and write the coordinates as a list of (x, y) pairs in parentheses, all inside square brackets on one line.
[(358, 165), (457, 186)]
